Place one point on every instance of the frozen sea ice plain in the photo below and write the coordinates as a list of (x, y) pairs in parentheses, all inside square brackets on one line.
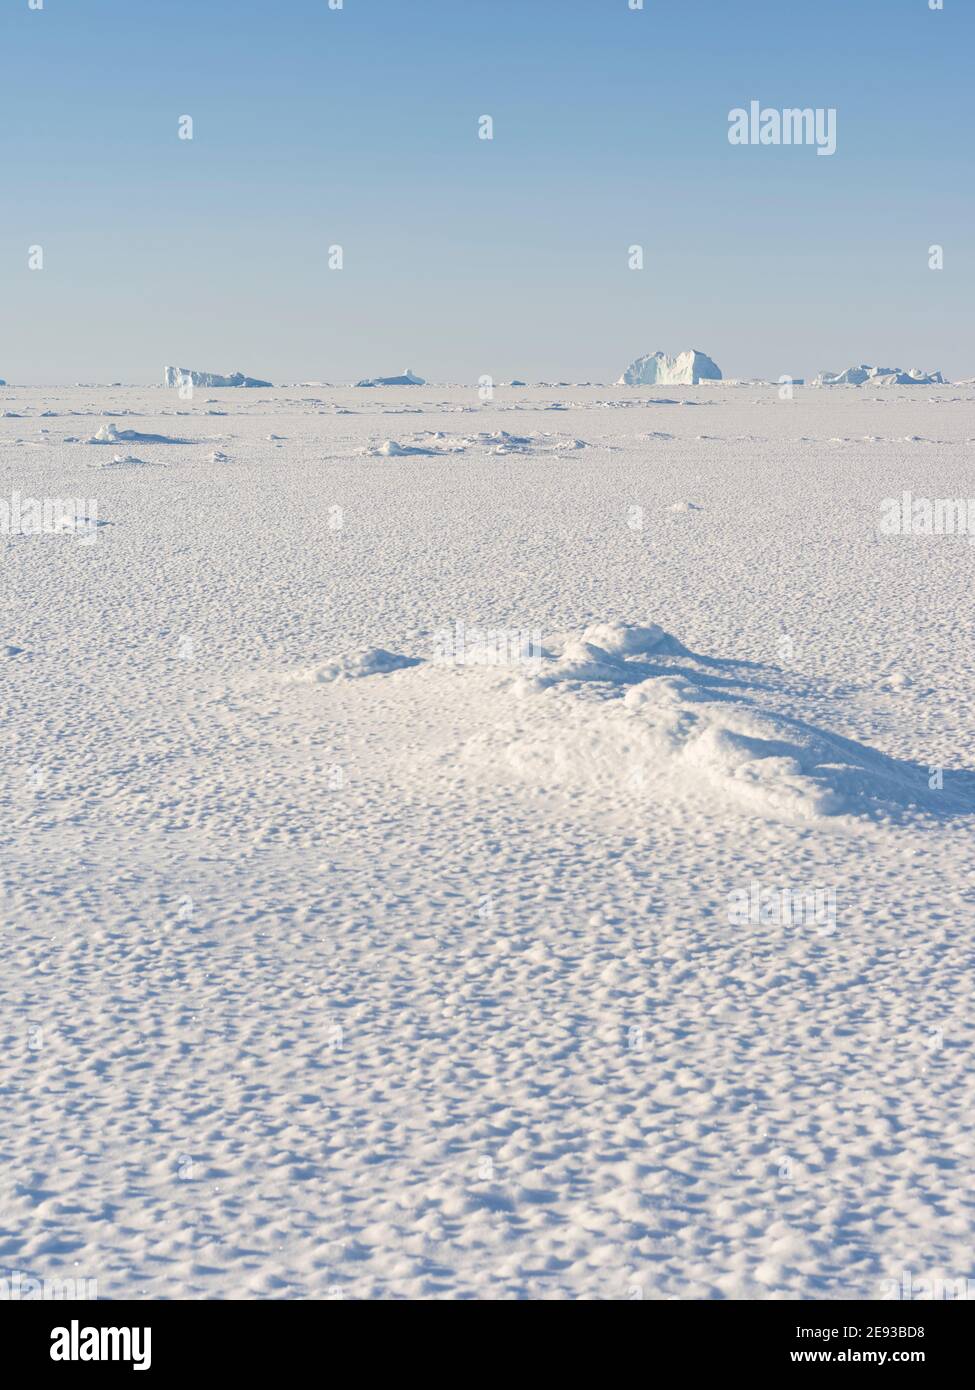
[(342, 955)]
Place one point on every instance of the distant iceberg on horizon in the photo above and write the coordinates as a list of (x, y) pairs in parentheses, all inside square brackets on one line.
[(179, 376), (657, 369), (879, 376), (407, 379)]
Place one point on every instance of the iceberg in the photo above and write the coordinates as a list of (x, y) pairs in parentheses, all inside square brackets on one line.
[(879, 376), (179, 376), (407, 379), (657, 369)]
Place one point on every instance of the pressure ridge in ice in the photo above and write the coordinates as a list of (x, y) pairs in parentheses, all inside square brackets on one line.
[(657, 369)]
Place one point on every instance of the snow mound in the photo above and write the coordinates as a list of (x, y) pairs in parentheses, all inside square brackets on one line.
[(624, 639), (628, 711), (657, 369), (392, 448), (370, 661), (864, 375), (407, 379), (183, 376)]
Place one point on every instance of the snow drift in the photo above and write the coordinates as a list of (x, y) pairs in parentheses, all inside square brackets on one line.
[(369, 661), (656, 369), (630, 715), (111, 434), (646, 717)]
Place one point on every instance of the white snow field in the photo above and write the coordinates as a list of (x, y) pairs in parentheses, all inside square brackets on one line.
[(509, 849)]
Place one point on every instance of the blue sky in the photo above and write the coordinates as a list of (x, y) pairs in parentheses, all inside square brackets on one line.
[(358, 127)]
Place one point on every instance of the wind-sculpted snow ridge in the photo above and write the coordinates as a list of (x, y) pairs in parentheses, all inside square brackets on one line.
[(635, 713)]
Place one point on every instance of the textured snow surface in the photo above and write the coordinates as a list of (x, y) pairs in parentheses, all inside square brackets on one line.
[(337, 961)]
